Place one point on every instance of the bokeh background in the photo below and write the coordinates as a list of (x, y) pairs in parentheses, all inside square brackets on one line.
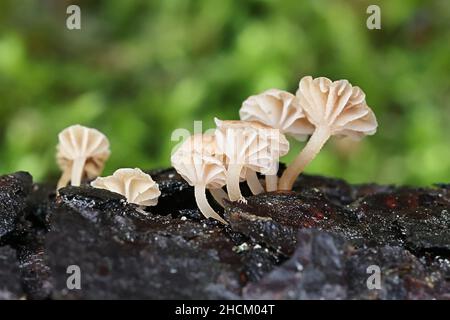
[(139, 69)]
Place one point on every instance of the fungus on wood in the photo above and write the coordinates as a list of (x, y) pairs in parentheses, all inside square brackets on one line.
[(201, 170), (250, 146), (81, 152), (334, 108), (281, 110), (204, 144), (136, 186)]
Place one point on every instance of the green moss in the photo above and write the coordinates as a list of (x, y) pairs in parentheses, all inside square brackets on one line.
[(140, 69)]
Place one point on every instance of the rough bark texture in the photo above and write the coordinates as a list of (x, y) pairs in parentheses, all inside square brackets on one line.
[(315, 242)]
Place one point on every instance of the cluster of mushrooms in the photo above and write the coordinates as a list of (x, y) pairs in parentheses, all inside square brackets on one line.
[(237, 149), (82, 153)]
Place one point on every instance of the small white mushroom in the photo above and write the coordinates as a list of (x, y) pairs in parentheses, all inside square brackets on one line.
[(200, 142), (280, 110), (277, 109), (81, 151), (334, 108), (201, 171), (251, 146), (204, 144), (136, 186)]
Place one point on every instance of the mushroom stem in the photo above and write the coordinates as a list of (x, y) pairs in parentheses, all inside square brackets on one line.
[(271, 182), (219, 195), (77, 171), (233, 175), (64, 180), (309, 152), (253, 182), (203, 205)]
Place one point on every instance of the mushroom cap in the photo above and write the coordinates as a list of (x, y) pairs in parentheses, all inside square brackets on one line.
[(81, 142), (200, 143), (337, 105), (251, 144), (199, 169), (136, 186), (197, 161), (277, 109)]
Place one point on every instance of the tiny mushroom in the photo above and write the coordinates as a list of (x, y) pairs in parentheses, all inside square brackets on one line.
[(334, 108), (201, 171), (205, 144), (250, 146), (199, 142), (280, 110), (136, 186), (81, 151)]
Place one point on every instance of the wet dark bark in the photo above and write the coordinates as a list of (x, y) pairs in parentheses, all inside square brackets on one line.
[(314, 242)]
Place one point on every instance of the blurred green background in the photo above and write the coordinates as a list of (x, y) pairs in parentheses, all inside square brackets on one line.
[(138, 69)]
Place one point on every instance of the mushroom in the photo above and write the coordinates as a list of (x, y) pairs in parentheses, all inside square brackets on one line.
[(334, 108), (199, 142), (280, 110), (204, 144), (136, 186), (201, 171), (81, 151), (249, 146)]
